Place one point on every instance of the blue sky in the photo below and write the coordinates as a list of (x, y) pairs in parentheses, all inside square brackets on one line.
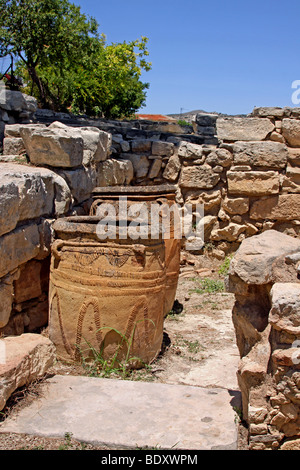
[(224, 55)]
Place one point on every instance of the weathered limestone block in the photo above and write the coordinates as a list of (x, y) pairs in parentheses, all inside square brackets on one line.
[(272, 111), (198, 177), (172, 169), (141, 146), (265, 154), (25, 358), (220, 157), (189, 150), (28, 193), (230, 233), (253, 262), (12, 100), (114, 172), (96, 143), (291, 131), (210, 199), (13, 146), (60, 147), (28, 285), (281, 207), (248, 128), (294, 156), (18, 247), (14, 130), (162, 148), (253, 183), (155, 168), (140, 164), (293, 173), (277, 137), (285, 312), (81, 182), (236, 205)]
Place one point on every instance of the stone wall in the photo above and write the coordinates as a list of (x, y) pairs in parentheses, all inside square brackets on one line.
[(264, 276), (245, 170), (15, 107), (55, 179)]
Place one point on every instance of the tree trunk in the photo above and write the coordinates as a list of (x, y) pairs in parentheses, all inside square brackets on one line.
[(44, 93)]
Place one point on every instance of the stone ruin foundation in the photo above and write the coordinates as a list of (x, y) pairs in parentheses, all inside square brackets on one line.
[(264, 276), (246, 173)]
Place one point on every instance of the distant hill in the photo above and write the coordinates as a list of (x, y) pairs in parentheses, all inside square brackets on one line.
[(188, 116)]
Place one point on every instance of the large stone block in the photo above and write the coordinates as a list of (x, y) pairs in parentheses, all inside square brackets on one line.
[(172, 169), (253, 262), (25, 358), (284, 314), (28, 193), (220, 157), (230, 233), (253, 183), (96, 143), (189, 150), (81, 182), (114, 172), (268, 112), (210, 199), (247, 128), (18, 247), (294, 156), (140, 164), (13, 146), (155, 168), (141, 146), (291, 131), (262, 154), (57, 147), (198, 177), (12, 100), (28, 285), (237, 205), (162, 148), (281, 207)]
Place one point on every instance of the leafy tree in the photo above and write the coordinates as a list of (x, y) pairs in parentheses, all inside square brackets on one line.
[(67, 64)]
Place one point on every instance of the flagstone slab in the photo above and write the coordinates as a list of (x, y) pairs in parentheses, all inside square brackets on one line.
[(125, 414)]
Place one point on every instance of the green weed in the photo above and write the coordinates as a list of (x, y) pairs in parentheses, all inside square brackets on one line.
[(224, 268), (97, 365), (208, 286)]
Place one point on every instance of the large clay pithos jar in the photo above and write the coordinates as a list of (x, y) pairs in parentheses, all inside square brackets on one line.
[(165, 195), (105, 295)]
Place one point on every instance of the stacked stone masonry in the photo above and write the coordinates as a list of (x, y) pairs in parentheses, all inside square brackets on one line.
[(264, 276), (244, 170)]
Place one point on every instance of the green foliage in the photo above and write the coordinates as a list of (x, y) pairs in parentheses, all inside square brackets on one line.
[(66, 63), (224, 268), (209, 286), (182, 122), (98, 366)]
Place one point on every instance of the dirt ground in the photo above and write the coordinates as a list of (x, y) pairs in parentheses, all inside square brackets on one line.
[(199, 349)]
